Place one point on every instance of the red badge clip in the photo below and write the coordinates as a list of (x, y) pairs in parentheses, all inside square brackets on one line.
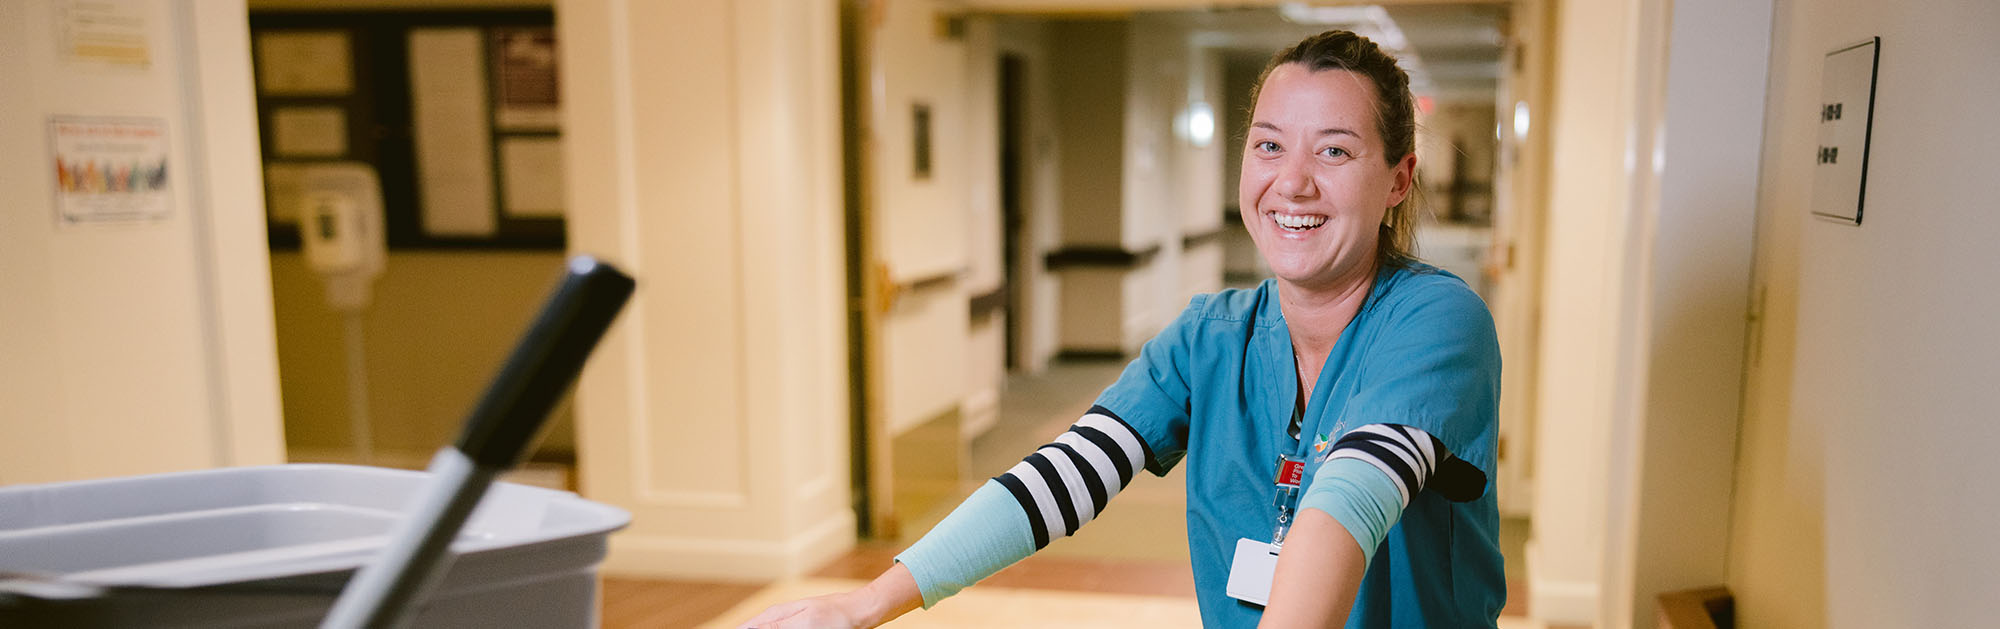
[(1290, 472)]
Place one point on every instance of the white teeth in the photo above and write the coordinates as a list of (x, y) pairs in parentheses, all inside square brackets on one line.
[(1298, 221)]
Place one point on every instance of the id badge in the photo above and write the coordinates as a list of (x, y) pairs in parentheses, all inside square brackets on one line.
[(1251, 571)]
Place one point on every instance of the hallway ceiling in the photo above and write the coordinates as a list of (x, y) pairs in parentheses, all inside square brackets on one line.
[(1452, 50)]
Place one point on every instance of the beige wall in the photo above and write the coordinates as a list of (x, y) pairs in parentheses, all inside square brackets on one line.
[(1586, 197), (1041, 194), (716, 409), (1777, 559), (986, 362), (143, 346), (1520, 196), (1877, 419), (1131, 177), (439, 327), (1171, 183), (1089, 85), (1674, 441), (1649, 232)]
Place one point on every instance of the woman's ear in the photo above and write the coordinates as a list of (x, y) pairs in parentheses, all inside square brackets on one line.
[(1406, 178)]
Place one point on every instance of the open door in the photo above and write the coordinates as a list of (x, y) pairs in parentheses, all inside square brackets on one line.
[(904, 95)]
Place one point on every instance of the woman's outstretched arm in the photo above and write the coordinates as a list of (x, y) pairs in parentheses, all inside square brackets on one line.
[(1056, 489), (1369, 477), (1318, 574)]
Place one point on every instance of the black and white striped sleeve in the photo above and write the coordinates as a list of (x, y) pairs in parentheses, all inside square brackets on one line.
[(1412, 458), (1066, 483)]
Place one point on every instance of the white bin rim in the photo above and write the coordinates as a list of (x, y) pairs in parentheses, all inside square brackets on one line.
[(236, 525)]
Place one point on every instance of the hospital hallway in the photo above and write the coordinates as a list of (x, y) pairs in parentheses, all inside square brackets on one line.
[(1127, 568), (1732, 251)]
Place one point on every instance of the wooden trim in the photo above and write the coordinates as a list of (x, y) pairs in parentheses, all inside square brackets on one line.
[(933, 281), (992, 301), (1091, 355), (1210, 237), (1237, 278), (1090, 256), (1705, 608)]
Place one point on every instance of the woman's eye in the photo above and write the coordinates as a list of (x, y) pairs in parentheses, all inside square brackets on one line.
[(1267, 146), (1334, 151)]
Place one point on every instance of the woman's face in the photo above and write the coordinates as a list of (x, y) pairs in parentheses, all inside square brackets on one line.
[(1315, 184)]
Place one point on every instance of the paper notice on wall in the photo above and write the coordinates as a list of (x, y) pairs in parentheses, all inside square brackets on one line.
[(532, 176), (304, 63), (284, 190), (454, 144), (309, 131), (104, 33), (524, 70), (110, 170)]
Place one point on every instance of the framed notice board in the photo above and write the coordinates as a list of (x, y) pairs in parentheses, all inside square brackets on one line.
[(458, 112)]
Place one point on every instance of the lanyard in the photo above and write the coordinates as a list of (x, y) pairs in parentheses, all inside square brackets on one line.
[(1291, 470), (1291, 473)]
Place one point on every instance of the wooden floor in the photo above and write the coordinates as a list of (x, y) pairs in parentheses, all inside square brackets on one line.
[(650, 604)]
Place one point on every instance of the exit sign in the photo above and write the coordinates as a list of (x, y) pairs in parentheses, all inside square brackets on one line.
[(1845, 113)]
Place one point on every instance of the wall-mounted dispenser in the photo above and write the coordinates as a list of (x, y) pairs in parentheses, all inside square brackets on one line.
[(340, 226)]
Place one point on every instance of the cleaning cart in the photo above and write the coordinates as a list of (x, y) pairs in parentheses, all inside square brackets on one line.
[(334, 545)]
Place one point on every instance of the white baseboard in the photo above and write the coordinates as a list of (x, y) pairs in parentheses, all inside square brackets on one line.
[(1559, 601), (730, 560)]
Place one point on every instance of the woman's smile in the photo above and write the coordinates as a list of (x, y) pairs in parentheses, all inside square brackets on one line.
[(1297, 223)]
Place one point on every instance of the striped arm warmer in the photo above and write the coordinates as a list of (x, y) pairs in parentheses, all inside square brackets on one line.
[(1065, 484), (1409, 456), (1046, 496), (1373, 472)]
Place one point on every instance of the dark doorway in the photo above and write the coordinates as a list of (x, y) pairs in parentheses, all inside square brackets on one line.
[(1013, 96)]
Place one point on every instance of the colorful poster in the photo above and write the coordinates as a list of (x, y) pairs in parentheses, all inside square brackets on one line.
[(110, 170)]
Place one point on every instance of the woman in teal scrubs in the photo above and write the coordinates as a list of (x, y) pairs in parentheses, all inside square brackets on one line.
[(1338, 421)]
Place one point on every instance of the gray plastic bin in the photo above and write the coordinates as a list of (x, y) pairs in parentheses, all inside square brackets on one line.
[(272, 546)]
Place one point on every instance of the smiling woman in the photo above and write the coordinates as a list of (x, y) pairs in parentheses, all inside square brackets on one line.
[(1370, 379), (1317, 180)]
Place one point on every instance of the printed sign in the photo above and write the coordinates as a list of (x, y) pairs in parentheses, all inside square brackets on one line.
[(1847, 103), (105, 33), (111, 170), (525, 82)]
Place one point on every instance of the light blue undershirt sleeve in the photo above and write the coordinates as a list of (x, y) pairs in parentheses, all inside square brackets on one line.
[(984, 534), (1361, 497)]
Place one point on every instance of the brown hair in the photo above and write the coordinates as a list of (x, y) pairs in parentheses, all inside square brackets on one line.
[(1395, 120)]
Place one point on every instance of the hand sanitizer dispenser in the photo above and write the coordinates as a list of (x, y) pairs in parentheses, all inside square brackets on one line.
[(340, 226)]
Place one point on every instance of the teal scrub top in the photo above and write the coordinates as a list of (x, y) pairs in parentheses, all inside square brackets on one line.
[(1217, 388)]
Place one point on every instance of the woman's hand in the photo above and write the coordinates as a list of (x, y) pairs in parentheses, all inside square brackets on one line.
[(831, 611), (888, 596)]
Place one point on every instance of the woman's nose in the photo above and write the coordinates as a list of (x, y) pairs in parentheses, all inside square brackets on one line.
[(1295, 179)]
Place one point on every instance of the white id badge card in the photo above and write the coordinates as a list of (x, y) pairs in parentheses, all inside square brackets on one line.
[(1251, 571)]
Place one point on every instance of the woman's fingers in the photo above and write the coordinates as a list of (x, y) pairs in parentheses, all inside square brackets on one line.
[(814, 613), (773, 614)]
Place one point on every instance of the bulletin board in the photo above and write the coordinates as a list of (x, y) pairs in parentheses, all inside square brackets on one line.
[(459, 112)]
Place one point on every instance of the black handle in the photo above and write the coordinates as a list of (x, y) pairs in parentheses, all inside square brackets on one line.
[(544, 364)]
